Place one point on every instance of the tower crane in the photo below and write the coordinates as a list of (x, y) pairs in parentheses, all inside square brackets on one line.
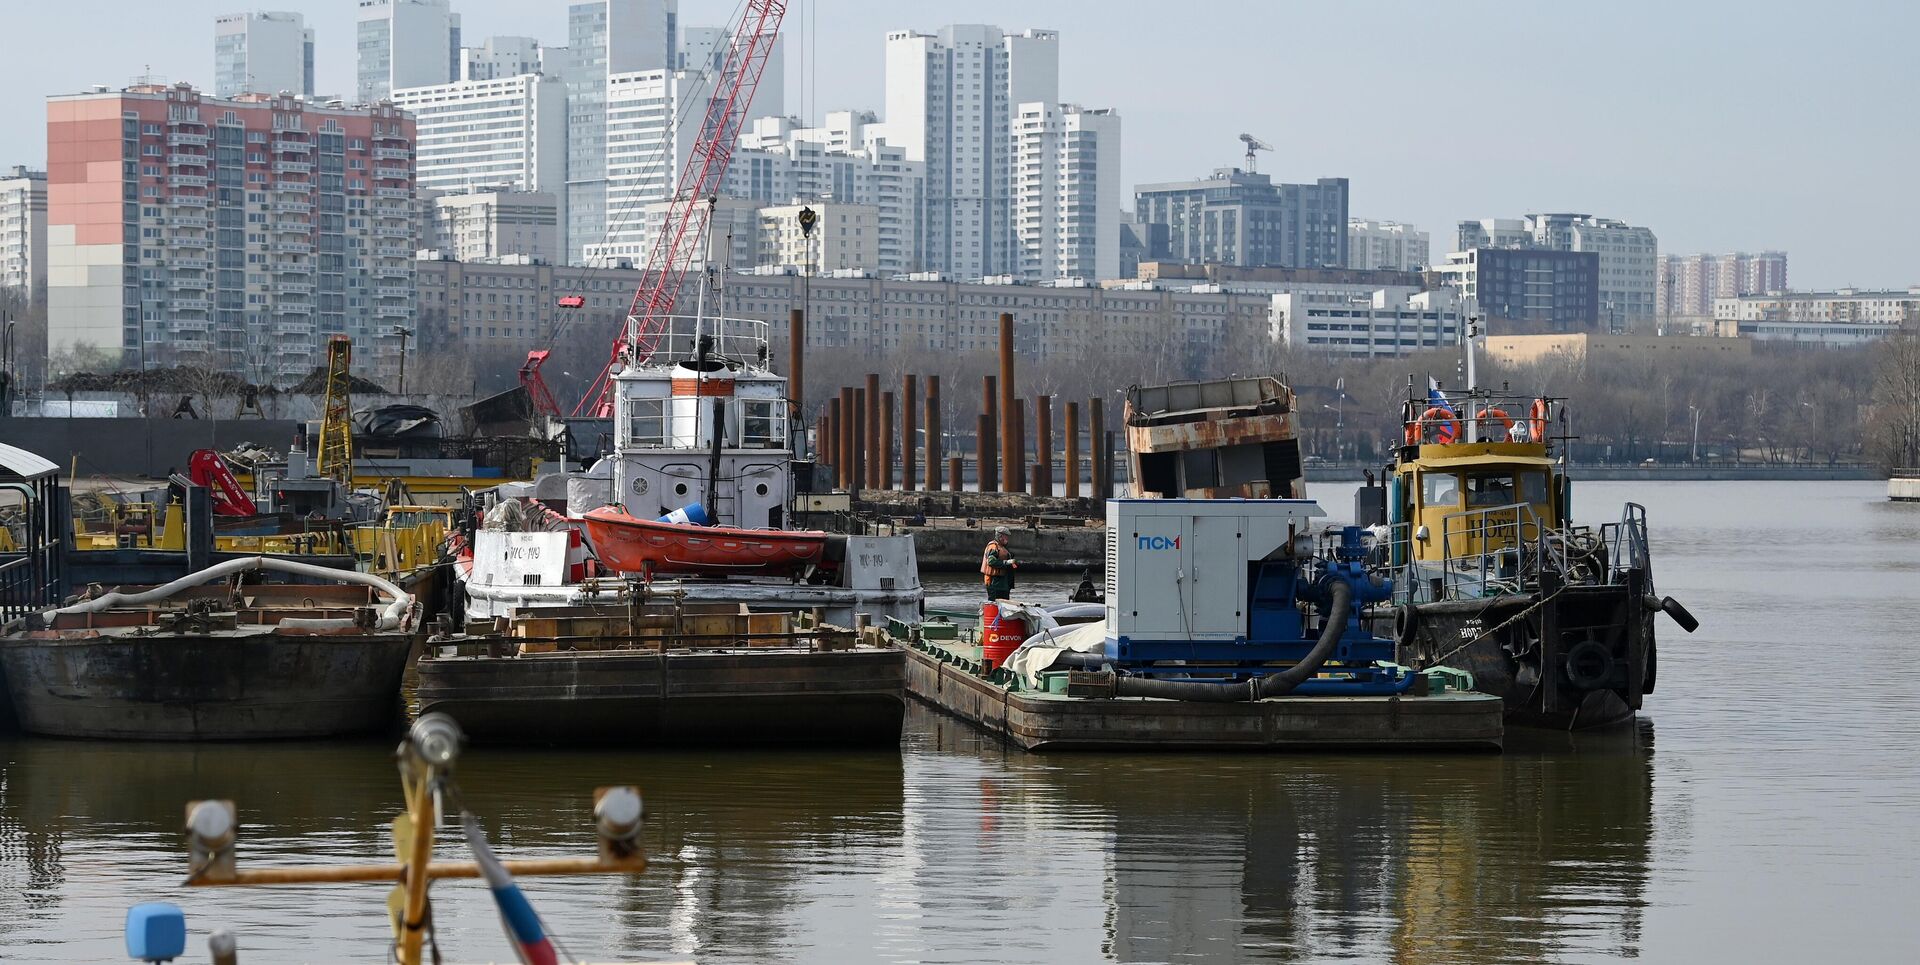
[(1253, 144), (679, 232)]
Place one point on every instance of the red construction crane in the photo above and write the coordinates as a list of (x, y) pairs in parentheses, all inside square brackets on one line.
[(680, 231)]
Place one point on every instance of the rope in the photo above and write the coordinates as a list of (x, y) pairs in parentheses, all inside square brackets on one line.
[(1499, 627)]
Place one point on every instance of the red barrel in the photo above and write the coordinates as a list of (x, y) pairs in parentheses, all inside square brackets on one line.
[(999, 636)]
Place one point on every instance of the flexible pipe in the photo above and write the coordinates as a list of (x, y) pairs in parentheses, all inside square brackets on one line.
[(391, 617), (1339, 601)]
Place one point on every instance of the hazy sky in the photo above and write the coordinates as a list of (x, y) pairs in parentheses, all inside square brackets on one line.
[(1721, 125)]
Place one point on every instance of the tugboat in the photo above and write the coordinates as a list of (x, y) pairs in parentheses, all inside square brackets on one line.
[(1495, 577)]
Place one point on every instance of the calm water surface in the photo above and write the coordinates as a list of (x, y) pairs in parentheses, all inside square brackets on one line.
[(1766, 808)]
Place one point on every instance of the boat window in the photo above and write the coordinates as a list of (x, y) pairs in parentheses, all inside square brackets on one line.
[(1533, 488), (1489, 490), (763, 424), (646, 422), (1442, 489)]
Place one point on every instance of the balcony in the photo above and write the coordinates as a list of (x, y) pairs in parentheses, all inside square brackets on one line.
[(187, 139), (392, 231), (392, 154), (299, 309), (294, 287), (292, 167), (392, 311), (283, 145), (189, 264), (187, 180), (189, 305), (297, 187), (189, 221), (189, 200), (293, 207), (392, 251), (392, 171), (289, 266), (182, 239), (398, 194), (188, 160), (291, 227), (292, 247), (392, 291)]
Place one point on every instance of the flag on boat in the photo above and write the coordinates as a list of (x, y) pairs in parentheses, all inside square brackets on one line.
[(1436, 398), (529, 937)]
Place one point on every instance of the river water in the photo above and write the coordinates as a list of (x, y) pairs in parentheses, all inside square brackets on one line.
[(1766, 808)]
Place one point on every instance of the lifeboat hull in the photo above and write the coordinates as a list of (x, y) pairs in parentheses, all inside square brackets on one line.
[(629, 544)]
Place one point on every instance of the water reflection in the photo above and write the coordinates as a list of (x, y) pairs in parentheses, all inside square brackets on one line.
[(1533, 855)]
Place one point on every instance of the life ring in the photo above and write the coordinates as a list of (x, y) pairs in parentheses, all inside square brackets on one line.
[(1448, 430), (1506, 421), (1537, 420), (1589, 664)]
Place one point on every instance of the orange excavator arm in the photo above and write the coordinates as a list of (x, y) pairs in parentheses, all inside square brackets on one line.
[(206, 468)]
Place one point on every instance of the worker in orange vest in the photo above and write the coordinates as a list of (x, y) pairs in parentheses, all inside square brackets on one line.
[(997, 564)]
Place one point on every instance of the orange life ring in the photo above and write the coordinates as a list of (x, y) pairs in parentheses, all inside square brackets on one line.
[(1538, 420), (1449, 426), (1506, 420)]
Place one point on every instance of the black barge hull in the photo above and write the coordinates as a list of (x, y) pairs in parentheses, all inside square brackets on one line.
[(758, 697), (211, 687), (1034, 722)]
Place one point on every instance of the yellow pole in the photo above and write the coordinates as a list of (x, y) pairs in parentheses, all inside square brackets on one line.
[(420, 808)]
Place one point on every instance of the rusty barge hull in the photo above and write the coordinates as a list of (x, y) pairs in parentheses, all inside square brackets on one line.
[(749, 697), (214, 686), (1050, 722)]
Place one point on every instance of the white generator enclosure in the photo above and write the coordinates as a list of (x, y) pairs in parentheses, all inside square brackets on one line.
[(1177, 568)]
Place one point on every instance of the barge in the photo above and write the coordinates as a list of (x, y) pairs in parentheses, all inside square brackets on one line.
[(1228, 624), (672, 671), (230, 661)]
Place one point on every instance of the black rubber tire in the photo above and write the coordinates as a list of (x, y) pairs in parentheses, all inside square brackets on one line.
[(1588, 664)]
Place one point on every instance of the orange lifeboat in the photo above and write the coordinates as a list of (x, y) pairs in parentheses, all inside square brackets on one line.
[(629, 544)]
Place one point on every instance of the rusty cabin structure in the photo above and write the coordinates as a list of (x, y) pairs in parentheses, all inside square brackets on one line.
[(1220, 439)]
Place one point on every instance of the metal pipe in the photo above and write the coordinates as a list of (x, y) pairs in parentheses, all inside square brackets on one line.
[(872, 460), (954, 482), (986, 464), (1043, 443), (886, 440), (859, 439), (1073, 450), (934, 442), (844, 461), (1096, 437), (1010, 438), (829, 432), (983, 454), (797, 362), (1017, 469), (909, 408)]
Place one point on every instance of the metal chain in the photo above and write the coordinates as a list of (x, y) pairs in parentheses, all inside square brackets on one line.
[(1501, 626)]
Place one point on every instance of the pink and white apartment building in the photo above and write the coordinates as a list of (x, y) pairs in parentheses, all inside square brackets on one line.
[(239, 234)]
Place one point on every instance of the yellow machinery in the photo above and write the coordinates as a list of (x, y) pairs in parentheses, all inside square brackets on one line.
[(336, 421), (408, 539)]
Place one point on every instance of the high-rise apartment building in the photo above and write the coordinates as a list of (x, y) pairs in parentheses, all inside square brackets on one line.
[(1541, 289), (267, 52), (1688, 284), (491, 225), (483, 135), (1387, 245), (1244, 219), (499, 57), (23, 232), (650, 132), (604, 38), (844, 237), (405, 43), (705, 48), (1628, 255), (951, 99), (844, 160), (1066, 193), (239, 233)]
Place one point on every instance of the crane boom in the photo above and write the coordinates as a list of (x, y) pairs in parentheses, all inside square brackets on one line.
[(336, 413), (673, 246)]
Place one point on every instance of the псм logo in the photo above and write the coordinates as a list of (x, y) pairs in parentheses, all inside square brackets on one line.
[(1159, 543)]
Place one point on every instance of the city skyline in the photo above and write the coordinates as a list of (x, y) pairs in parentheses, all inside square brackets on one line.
[(1639, 123)]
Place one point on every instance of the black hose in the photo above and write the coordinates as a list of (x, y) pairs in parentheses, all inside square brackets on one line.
[(1340, 600)]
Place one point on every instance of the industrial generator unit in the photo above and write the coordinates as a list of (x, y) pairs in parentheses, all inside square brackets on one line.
[(1227, 591)]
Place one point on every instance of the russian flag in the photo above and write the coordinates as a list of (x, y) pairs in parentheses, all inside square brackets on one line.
[(1438, 399), (529, 937)]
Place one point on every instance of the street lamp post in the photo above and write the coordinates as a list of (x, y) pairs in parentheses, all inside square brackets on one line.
[(1815, 406), (1694, 411), (403, 333)]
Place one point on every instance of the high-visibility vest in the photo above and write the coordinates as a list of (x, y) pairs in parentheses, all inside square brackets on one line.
[(986, 571)]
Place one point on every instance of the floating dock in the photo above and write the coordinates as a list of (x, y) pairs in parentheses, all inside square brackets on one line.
[(693, 673), (946, 675)]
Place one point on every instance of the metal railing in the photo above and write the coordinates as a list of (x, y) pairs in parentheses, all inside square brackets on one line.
[(1497, 549), (736, 338)]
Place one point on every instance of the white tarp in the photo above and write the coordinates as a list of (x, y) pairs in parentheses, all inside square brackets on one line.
[(1040, 650)]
